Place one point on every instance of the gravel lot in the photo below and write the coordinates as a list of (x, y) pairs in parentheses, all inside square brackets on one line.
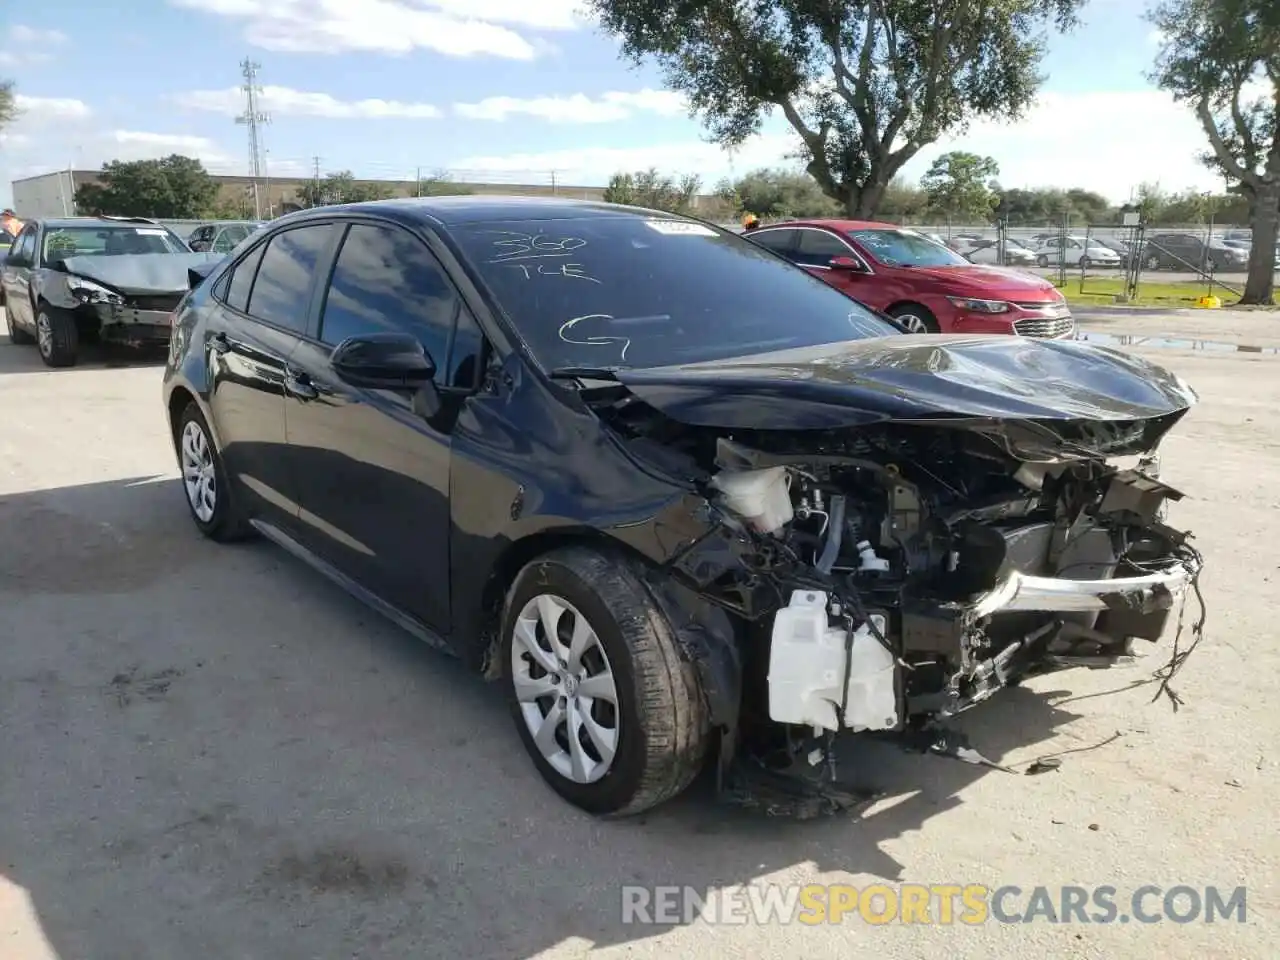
[(210, 752)]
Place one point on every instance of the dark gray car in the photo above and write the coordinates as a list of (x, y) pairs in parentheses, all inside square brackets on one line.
[(88, 279)]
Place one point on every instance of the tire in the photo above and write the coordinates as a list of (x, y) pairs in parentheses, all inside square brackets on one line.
[(1042, 262), (915, 318), (660, 728), (1153, 263), (213, 510), (57, 338), (17, 336), (1085, 263)]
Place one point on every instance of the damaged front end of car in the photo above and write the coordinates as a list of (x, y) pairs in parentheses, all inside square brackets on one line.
[(884, 575)]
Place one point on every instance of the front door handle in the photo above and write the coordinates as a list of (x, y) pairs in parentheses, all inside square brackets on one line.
[(299, 385)]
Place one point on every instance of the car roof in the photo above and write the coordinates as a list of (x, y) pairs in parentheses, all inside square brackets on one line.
[(453, 211), (59, 222), (841, 225)]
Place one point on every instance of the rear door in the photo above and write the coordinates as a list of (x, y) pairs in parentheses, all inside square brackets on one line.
[(266, 304), (373, 465)]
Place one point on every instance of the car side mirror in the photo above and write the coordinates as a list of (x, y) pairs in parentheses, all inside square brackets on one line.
[(384, 361), (848, 264)]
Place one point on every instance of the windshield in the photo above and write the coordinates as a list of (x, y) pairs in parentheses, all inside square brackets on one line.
[(625, 291), (96, 240), (904, 248)]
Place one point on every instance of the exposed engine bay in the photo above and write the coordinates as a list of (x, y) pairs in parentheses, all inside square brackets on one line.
[(891, 575)]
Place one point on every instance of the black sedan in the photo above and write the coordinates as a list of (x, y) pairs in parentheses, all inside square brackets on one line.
[(688, 502)]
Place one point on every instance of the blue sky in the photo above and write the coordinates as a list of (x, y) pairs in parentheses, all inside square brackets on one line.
[(499, 90)]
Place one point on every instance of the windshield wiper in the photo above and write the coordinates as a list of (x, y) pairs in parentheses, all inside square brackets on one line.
[(585, 373)]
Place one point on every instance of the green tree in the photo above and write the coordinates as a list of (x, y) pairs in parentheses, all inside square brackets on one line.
[(957, 185), (175, 188), (865, 84), (8, 104), (1222, 58), (341, 187), (777, 194), (649, 188), (441, 184)]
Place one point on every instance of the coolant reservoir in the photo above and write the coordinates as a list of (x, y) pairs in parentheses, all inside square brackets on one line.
[(807, 669), (761, 497)]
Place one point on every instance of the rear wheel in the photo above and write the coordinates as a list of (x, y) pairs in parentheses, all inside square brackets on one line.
[(204, 480), (17, 335), (1085, 263), (57, 338), (1153, 262), (915, 318), (1042, 262), (609, 710)]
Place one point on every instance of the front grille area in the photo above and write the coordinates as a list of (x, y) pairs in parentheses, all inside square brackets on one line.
[(1046, 328), (161, 304)]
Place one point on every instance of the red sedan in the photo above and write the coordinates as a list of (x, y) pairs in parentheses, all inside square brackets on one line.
[(928, 287)]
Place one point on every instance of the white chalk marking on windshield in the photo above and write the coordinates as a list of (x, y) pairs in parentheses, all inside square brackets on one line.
[(568, 326)]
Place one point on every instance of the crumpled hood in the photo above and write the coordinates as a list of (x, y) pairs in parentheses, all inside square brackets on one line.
[(139, 274), (974, 278), (913, 378)]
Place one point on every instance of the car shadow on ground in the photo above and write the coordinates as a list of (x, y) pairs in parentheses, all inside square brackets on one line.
[(220, 754), (24, 358)]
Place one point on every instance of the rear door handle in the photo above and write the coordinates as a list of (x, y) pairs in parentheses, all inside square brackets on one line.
[(299, 385)]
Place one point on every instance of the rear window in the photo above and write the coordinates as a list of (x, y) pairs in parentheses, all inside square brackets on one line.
[(612, 291)]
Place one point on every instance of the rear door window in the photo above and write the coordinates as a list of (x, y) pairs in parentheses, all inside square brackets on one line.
[(282, 289), (241, 282)]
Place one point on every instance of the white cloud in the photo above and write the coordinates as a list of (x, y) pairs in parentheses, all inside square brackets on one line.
[(20, 34), (595, 164), (42, 109), (1106, 142), (287, 102), (23, 46), (459, 28), (577, 108)]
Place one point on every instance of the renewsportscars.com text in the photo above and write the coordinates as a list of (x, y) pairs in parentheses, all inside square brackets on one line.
[(942, 904)]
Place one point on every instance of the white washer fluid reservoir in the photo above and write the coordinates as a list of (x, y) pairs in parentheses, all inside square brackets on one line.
[(807, 663)]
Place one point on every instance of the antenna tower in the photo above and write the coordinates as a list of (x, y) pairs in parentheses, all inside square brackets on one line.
[(253, 118)]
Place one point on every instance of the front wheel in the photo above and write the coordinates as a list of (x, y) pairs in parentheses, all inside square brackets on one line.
[(611, 713), (915, 318), (57, 338), (1085, 263)]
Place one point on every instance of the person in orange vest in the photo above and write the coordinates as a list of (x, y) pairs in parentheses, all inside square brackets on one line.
[(750, 221), (10, 226)]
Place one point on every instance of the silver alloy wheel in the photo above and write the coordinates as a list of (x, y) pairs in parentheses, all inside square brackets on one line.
[(913, 323), (198, 474), (44, 334), (565, 686)]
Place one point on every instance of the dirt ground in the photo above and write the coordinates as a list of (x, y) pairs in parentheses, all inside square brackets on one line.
[(210, 752)]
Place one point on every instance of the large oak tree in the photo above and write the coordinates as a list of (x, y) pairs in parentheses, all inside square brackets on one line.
[(1222, 57), (866, 84)]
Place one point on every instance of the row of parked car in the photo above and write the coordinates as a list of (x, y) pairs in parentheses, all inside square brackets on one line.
[(1185, 252), (689, 505)]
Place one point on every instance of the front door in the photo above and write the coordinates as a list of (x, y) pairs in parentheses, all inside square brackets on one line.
[(17, 278), (372, 465), (264, 307)]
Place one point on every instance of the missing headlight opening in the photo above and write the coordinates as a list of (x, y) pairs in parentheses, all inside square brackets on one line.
[(887, 577)]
